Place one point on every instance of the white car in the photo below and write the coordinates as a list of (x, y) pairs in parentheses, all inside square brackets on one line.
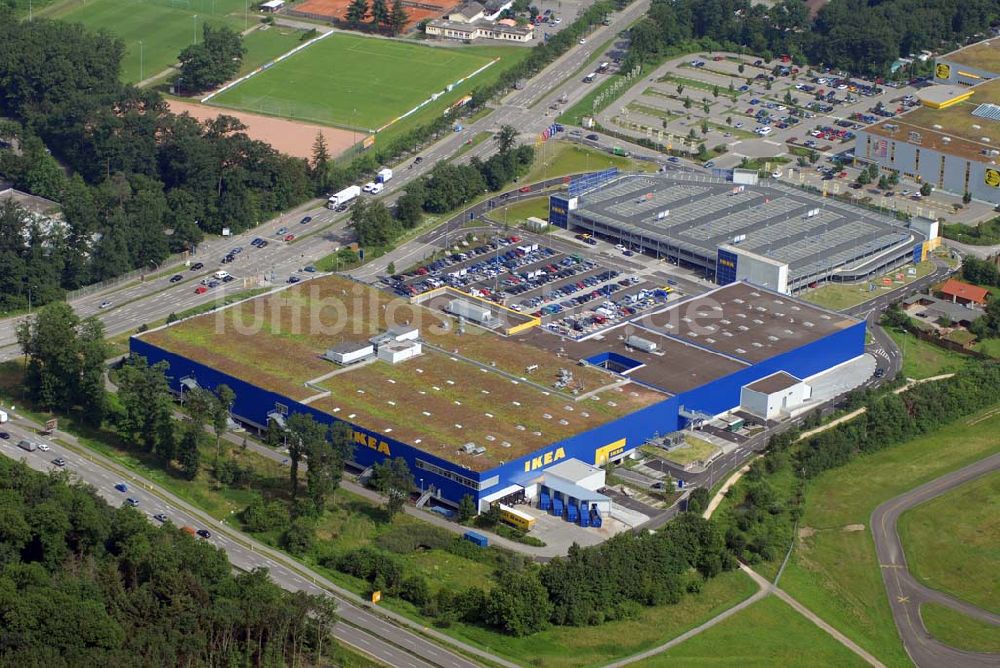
[(377, 188), (105, 304), (776, 174), (368, 187), (44, 447), (583, 40)]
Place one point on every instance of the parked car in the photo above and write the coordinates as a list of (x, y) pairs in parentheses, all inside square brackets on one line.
[(281, 231), (294, 279), (4, 435), (105, 304)]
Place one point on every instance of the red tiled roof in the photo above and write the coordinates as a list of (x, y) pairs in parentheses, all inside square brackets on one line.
[(973, 293)]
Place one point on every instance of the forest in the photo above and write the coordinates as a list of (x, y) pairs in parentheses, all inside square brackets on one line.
[(135, 182), (85, 584), (855, 35)]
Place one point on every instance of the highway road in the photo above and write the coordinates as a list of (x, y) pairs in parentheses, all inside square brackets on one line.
[(906, 595), (132, 305), (382, 636)]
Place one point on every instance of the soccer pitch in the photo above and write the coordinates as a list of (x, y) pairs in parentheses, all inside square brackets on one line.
[(356, 82), (164, 27)]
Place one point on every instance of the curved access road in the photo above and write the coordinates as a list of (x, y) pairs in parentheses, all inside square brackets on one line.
[(906, 594)]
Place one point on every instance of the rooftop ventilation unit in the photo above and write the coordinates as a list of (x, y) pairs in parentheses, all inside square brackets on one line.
[(640, 343)]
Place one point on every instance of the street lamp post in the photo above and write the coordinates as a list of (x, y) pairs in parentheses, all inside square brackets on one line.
[(140, 61), (194, 29)]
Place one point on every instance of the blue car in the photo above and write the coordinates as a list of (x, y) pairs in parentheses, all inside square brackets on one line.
[(121, 487)]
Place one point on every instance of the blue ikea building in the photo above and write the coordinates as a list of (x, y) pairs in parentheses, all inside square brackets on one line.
[(699, 353)]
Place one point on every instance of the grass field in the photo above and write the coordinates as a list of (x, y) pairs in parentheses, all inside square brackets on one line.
[(834, 570), (521, 211), (165, 27), (989, 347), (574, 647), (923, 359), (267, 43), (768, 633), (561, 158), (837, 296), (958, 630), (952, 542), (360, 82)]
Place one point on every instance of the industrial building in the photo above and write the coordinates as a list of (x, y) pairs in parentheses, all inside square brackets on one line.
[(950, 140), (767, 233), (503, 418)]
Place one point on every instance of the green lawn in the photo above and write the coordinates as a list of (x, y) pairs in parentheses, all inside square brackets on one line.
[(574, 647), (521, 211), (165, 27), (694, 449), (989, 347), (923, 359), (768, 633), (556, 158), (267, 43), (834, 571), (361, 82), (958, 630), (952, 542), (837, 296)]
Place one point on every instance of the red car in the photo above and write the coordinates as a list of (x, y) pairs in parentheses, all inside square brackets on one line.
[(200, 290), (525, 189), (289, 237)]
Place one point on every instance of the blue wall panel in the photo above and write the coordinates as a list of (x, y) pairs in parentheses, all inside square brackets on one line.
[(558, 210), (254, 403), (724, 393)]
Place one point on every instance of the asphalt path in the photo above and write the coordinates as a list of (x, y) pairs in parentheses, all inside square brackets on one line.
[(380, 635), (906, 595)]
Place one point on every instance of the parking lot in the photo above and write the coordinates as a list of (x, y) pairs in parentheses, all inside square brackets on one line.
[(574, 293), (752, 107)]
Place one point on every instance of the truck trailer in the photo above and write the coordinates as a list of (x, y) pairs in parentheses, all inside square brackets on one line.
[(383, 175), (343, 197)]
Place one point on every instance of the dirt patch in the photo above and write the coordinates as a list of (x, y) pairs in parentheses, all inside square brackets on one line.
[(292, 137), (806, 532), (336, 10), (853, 527)]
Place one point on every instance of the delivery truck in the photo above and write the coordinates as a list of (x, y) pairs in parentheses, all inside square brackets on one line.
[(27, 445), (383, 175), (343, 197), (3, 417)]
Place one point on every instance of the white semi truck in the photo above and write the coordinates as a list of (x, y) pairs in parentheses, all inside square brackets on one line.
[(343, 197)]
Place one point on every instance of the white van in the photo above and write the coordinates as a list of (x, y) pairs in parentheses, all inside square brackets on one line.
[(221, 274)]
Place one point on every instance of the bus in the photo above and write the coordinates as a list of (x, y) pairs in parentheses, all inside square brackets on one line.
[(590, 77), (516, 518)]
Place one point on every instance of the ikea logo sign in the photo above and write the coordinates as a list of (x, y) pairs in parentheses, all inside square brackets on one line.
[(549, 457), (373, 443), (558, 209), (727, 263)]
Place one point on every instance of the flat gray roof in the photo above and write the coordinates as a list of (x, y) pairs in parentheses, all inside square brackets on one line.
[(697, 213), (746, 322)]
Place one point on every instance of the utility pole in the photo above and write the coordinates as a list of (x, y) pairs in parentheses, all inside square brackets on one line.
[(140, 61), (194, 29)]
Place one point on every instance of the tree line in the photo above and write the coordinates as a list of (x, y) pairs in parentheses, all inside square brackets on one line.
[(135, 182), (855, 35), (447, 187), (82, 583)]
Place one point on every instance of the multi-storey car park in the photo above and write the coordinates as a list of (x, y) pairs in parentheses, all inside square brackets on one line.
[(766, 232), (951, 139), (478, 412)]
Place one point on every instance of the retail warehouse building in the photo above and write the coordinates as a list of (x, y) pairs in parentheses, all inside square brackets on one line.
[(765, 232), (524, 417), (952, 140)]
